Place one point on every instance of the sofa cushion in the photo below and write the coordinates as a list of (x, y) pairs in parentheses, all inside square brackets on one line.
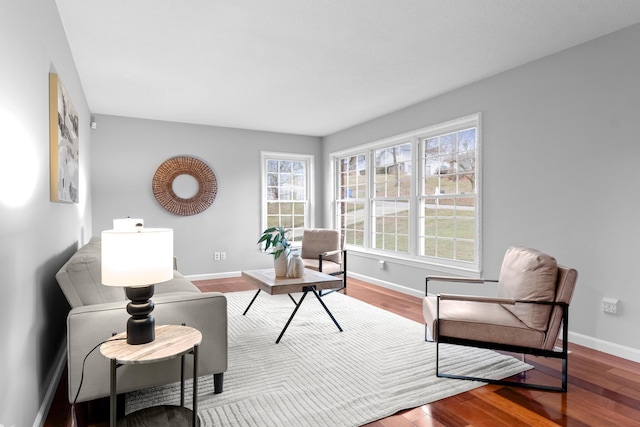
[(528, 274), (80, 278), (177, 284)]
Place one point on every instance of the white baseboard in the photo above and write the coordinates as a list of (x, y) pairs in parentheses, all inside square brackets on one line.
[(211, 276), (45, 405), (388, 285), (605, 346)]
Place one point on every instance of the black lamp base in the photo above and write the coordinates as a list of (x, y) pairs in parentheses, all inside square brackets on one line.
[(141, 325)]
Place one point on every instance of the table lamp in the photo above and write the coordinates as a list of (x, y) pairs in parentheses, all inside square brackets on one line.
[(137, 259)]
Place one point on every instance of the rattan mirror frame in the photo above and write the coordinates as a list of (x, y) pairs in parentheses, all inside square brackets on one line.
[(168, 171)]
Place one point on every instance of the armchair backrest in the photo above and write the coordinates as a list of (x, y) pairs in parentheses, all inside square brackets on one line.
[(319, 240), (528, 274)]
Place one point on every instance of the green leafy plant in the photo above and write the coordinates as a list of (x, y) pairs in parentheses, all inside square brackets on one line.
[(276, 239)]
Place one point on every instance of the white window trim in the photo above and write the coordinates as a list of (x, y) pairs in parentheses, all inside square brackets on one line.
[(413, 259), (309, 217)]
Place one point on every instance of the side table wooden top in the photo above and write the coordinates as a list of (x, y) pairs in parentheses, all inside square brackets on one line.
[(171, 341)]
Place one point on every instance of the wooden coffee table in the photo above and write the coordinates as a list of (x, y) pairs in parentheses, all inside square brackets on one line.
[(311, 281)]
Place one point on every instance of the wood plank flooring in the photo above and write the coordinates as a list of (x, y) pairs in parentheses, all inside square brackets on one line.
[(604, 390)]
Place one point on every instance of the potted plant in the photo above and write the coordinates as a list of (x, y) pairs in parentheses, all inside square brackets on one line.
[(275, 238)]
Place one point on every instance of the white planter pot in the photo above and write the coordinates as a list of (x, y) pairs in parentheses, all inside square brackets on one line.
[(281, 263)]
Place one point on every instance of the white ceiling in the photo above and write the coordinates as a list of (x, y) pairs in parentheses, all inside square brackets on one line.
[(310, 67)]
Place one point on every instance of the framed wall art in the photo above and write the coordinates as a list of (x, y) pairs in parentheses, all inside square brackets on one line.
[(63, 143)]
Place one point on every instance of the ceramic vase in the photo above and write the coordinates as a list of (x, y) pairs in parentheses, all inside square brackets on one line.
[(281, 263), (296, 266)]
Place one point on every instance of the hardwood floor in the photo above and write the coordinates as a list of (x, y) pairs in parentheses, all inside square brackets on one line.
[(604, 390)]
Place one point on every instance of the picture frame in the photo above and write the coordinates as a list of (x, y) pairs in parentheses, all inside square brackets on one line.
[(63, 144)]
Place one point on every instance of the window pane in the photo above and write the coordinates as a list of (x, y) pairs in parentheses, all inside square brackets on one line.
[(298, 168), (272, 193), (272, 166), (285, 166), (465, 251), (444, 249), (273, 221), (465, 228), (273, 208), (429, 247)]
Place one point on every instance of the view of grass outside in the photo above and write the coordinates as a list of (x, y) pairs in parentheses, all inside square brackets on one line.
[(444, 208), (286, 191), (448, 215), (390, 213), (352, 191)]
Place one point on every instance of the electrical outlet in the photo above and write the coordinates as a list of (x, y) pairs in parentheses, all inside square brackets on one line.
[(609, 305), (216, 256), (223, 256)]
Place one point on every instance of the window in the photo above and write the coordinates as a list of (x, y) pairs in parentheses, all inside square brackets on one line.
[(414, 196), (351, 198), (448, 214), (286, 188)]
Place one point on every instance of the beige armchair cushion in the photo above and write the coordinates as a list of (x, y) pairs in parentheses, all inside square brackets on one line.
[(479, 321), (527, 274), (318, 241)]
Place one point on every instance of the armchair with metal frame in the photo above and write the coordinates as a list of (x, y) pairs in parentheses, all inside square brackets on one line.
[(526, 317), (323, 250)]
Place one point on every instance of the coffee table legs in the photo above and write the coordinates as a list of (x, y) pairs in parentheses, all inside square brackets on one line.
[(295, 310), (251, 303), (306, 290), (326, 308)]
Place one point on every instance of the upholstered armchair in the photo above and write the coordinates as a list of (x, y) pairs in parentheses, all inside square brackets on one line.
[(526, 316), (323, 250)]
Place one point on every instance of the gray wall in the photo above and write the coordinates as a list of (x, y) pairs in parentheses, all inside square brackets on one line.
[(126, 153), (560, 161), (36, 235)]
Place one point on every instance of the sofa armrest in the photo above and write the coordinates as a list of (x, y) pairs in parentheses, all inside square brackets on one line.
[(88, 326)]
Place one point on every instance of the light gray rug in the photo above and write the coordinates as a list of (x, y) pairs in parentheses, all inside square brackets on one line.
[(318, 376)]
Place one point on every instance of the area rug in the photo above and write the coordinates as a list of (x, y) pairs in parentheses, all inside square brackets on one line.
[(318, 376)]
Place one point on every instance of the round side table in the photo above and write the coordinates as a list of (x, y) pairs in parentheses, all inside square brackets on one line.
[(171, 341)]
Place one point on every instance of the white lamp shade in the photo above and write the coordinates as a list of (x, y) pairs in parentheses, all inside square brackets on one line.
[(137, 258)]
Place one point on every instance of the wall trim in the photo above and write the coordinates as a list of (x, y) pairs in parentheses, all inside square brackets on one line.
[(45, 405), (211, 276), (614, 349), (388, 285)]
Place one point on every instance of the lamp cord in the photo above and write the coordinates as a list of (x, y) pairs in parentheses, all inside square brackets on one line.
[(82, 375)]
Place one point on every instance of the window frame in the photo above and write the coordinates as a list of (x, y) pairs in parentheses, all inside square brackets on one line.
[(308, 216), (416, 137)]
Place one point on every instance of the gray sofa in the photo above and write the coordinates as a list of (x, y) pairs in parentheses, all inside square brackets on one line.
[(98, 311)]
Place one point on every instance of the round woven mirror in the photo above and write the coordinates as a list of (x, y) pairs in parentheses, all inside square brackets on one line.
[(174, 170)]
